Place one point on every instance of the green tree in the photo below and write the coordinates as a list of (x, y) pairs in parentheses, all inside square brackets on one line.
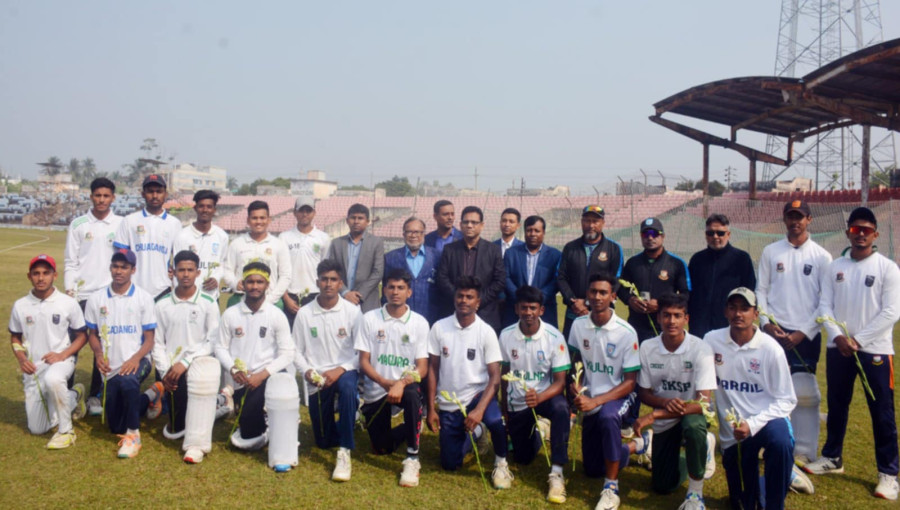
[(397, 187), (74, 169), (354, 187), (53, 166), (232, 183), (685, 185), (88, 172)]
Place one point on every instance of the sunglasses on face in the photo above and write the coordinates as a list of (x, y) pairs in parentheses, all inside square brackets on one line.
[(857, 230), (717, 233), (651, 233)]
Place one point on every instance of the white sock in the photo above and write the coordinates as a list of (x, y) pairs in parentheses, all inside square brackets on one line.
[(478, 432), (342, 449), (135, 432), (556, 469), (500, 461), (151, 393), (695, 486)]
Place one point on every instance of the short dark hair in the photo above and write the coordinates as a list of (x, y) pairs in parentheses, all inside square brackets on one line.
[(529, 294), (472, 209), (186, 255), (206, 194), (441, 204), (102, 182), (514, 211), (672, 300), (358, 209), (531, 220), (603, 276), (466, 282), (399, 274), (412, 219), (256, 205), (260, 266), (329, 265), (717, 218)]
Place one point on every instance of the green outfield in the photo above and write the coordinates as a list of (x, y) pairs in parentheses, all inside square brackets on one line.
[(89, 474)]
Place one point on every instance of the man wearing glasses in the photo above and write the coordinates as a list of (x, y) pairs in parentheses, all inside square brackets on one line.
[(653, 272), (714, 272), (421, 264)]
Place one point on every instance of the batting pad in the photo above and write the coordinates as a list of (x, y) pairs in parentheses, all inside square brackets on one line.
[(805, 417), (283, 409), (203, 386)]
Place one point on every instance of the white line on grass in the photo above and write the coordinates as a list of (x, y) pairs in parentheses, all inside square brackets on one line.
[(43, 239)]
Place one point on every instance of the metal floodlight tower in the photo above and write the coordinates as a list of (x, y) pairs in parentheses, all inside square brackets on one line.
[(813, 33)]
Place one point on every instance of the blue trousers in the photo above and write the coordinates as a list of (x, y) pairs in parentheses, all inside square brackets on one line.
[(841, 373), (777, 438), (378, 422), (809, 352), (601, 437), (124, 401), (326, 433), (253, 418), (525, 438), (454, 439)]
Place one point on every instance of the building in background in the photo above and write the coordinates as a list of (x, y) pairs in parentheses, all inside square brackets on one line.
[(314, 185), (186, 177)]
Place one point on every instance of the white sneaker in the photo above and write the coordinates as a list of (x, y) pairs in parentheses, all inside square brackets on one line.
[(801, 460), (627, 433), (543, 425), (129, 445), (824, 465), (800, 482), (887, 487), (557, 491), (94, 406), (61, 441), (341, 471), (609, 499), (710, 456), (693, 501), (409, 477), (193, 456), (502, 477)]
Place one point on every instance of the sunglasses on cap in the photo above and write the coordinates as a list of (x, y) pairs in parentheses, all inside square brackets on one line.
[(717, 233), (651, 233), (857, 229)]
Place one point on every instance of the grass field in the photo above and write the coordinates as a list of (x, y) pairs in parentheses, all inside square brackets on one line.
[(89, 474)]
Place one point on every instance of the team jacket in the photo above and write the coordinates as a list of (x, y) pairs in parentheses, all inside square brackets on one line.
[(574, 268), (668, 273)]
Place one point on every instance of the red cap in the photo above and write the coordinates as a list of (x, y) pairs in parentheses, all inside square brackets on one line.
[(42, 258)]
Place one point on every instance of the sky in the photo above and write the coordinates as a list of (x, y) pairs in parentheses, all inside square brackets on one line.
[(549, 92)]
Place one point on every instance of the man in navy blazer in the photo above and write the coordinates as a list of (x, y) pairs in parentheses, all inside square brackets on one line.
[(532, 263), (509, 225), (421, 264)]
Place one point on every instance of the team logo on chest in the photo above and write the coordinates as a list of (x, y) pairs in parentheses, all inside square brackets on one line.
[(445, 351), (470, 354), (381, 336), (870, 280), (29, 320), (215, 248), (193, 248), (514, 353), (262, 331), (314, 332), (779, 267), (807, 269), (754, 365), (316, 248), (55, 318), (88, 236), (342, 332), (193, 316), (663, 275), (238, 331), (688, 366), (268, 252), (839, 277), (541, 357), (103, 311), (719, 360), (587, 344), (404, 338), (140, 230), (602, 257), (610, 349)]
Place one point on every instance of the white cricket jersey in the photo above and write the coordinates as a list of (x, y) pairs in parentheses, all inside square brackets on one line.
[(679, 374), (261, 339), (191, 325), (866, 296), (306, 251), (788, 286), (324, 338), (124, 317), (89, 249), (271, 251), (150, 237), (535, 359), (608, 353), (465, 354), (44, 323), (210, 247), (393, 345), (754, 379)]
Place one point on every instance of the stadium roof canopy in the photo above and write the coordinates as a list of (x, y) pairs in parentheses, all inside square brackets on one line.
[(861, 88)]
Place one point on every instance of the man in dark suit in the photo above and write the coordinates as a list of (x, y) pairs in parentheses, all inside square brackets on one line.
[(473, 256), (361, 255), (532, 263), (421, 264), (509, 225)]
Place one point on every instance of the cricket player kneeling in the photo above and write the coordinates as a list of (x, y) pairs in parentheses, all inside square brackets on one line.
[(283, 409), (203, 386)]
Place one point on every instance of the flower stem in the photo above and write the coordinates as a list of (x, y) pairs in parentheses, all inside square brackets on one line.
[(237, 419), (478, 460)]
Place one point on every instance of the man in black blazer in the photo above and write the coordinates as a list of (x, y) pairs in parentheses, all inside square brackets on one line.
[(473, 256)]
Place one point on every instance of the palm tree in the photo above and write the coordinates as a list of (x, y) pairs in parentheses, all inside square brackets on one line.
[(52, 167), (88, 171)]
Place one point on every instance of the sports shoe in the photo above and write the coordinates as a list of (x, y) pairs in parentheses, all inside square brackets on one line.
[(887, 487), (193, 456), (645, 453), (693, 501), (710, 456), (627, 433), (94, 406), (154, 408), (557, 491), (80, 408), (282, 468), (225, 403), (129, 445), (800, 482), (824, 465), (502, 477), (609, 498), (341, 471), (409, 477), (67, 439), (543, 426)]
